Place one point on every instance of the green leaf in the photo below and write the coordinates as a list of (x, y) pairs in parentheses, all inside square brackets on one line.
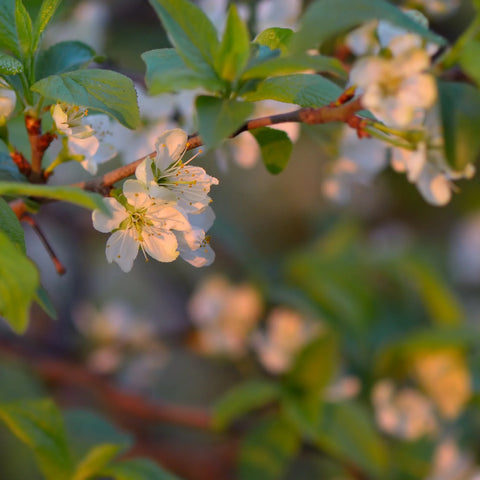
[(242, 399), (326, 18), (10, 225), (9, 65), (8, 27), (42, 298), (87, 429), (63, 57), (18, 382), (275, 38), (103, 90), (346, 431), (286, 65), (314, 365), (190, 32), (219, 118), (460, 111), (267, 450), (24, 28), (469, 60), (300, 89), (74, 195), (47, 10), (234, 48), (39, 424), (303, 409), (167, 72), (137, 469), (276, 148), (95, 461), (19, 280)]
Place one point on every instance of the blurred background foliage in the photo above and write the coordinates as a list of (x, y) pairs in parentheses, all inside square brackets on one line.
[(326, 341)]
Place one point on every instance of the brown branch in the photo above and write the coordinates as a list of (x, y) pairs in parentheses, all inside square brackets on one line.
[(38, 143)]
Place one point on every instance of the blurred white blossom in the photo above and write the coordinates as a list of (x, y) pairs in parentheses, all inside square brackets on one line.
[(224, 315), (277, 13), (439, 7), (8, 100)]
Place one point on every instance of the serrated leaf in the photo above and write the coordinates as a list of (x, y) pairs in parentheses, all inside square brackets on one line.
[(326, 18), (19, 280), (275, 146), (219, 118), (460, 112), (167, 72), (314, 365), (267, 450), (286, 65), (87, 429), (63, 57), (275, 38), (74, 195), (242, 399), (42, 298), (47, 10), (38, 423), (103, 90), (469, 60), (9, 65), (137, 469), (10, 225), (300, 89), (191, 33), (346, 431), (234, 49), (95, 461), (24, 28)]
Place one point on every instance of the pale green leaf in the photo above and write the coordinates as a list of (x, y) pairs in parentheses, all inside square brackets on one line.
[(38, 424), (275, 146), (234, 49), (8, 27), (275, 38), (326, 18), (95, 460), (242, 399), (19, 281), (137, 469), (103, 90), (24, 28), (301, 89), (9, 65), (219, 118), (74, 195), (469, 60), (47, 10)]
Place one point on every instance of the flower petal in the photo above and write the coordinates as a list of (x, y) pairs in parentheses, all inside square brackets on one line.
[(104, 223), (122, 248), (161, 245)]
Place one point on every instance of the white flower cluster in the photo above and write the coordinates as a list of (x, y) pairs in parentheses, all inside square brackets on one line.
[(392, 76), (164, 212), (83, 137)]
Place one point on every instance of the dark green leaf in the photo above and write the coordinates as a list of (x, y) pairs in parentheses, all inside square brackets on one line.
[(460, 110), (275, 38), (10, 225), (326, 18), (63, 57), (68, 194), (286, 65), (303, 409), (103, 90), (19, 281), (469, 60), (18, 383), (137, 469), (9, 65), (86, 429), (190, 32), (93, 463), (242, 399), (8, 28), (301, 89), (276, 148), (346, 431), (42, 298), (39, 425), (47, 10), (219, 118), (24, 28), (167, 72), (234, 48), (267, 450)]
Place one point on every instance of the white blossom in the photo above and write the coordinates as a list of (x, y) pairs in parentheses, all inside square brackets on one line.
[(277, 13), (395, 89), (143, 223), (69, 120), (7, 102), (439, 7)]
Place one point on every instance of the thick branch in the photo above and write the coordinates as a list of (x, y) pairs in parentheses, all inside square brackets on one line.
[(38, 144)]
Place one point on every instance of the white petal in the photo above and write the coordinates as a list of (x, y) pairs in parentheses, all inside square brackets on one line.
[(122, 248), (104, 223), (136, 193), (203, 220), (201, 257), (143, 172), (434, 187), (160, 245), (170, 147)]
